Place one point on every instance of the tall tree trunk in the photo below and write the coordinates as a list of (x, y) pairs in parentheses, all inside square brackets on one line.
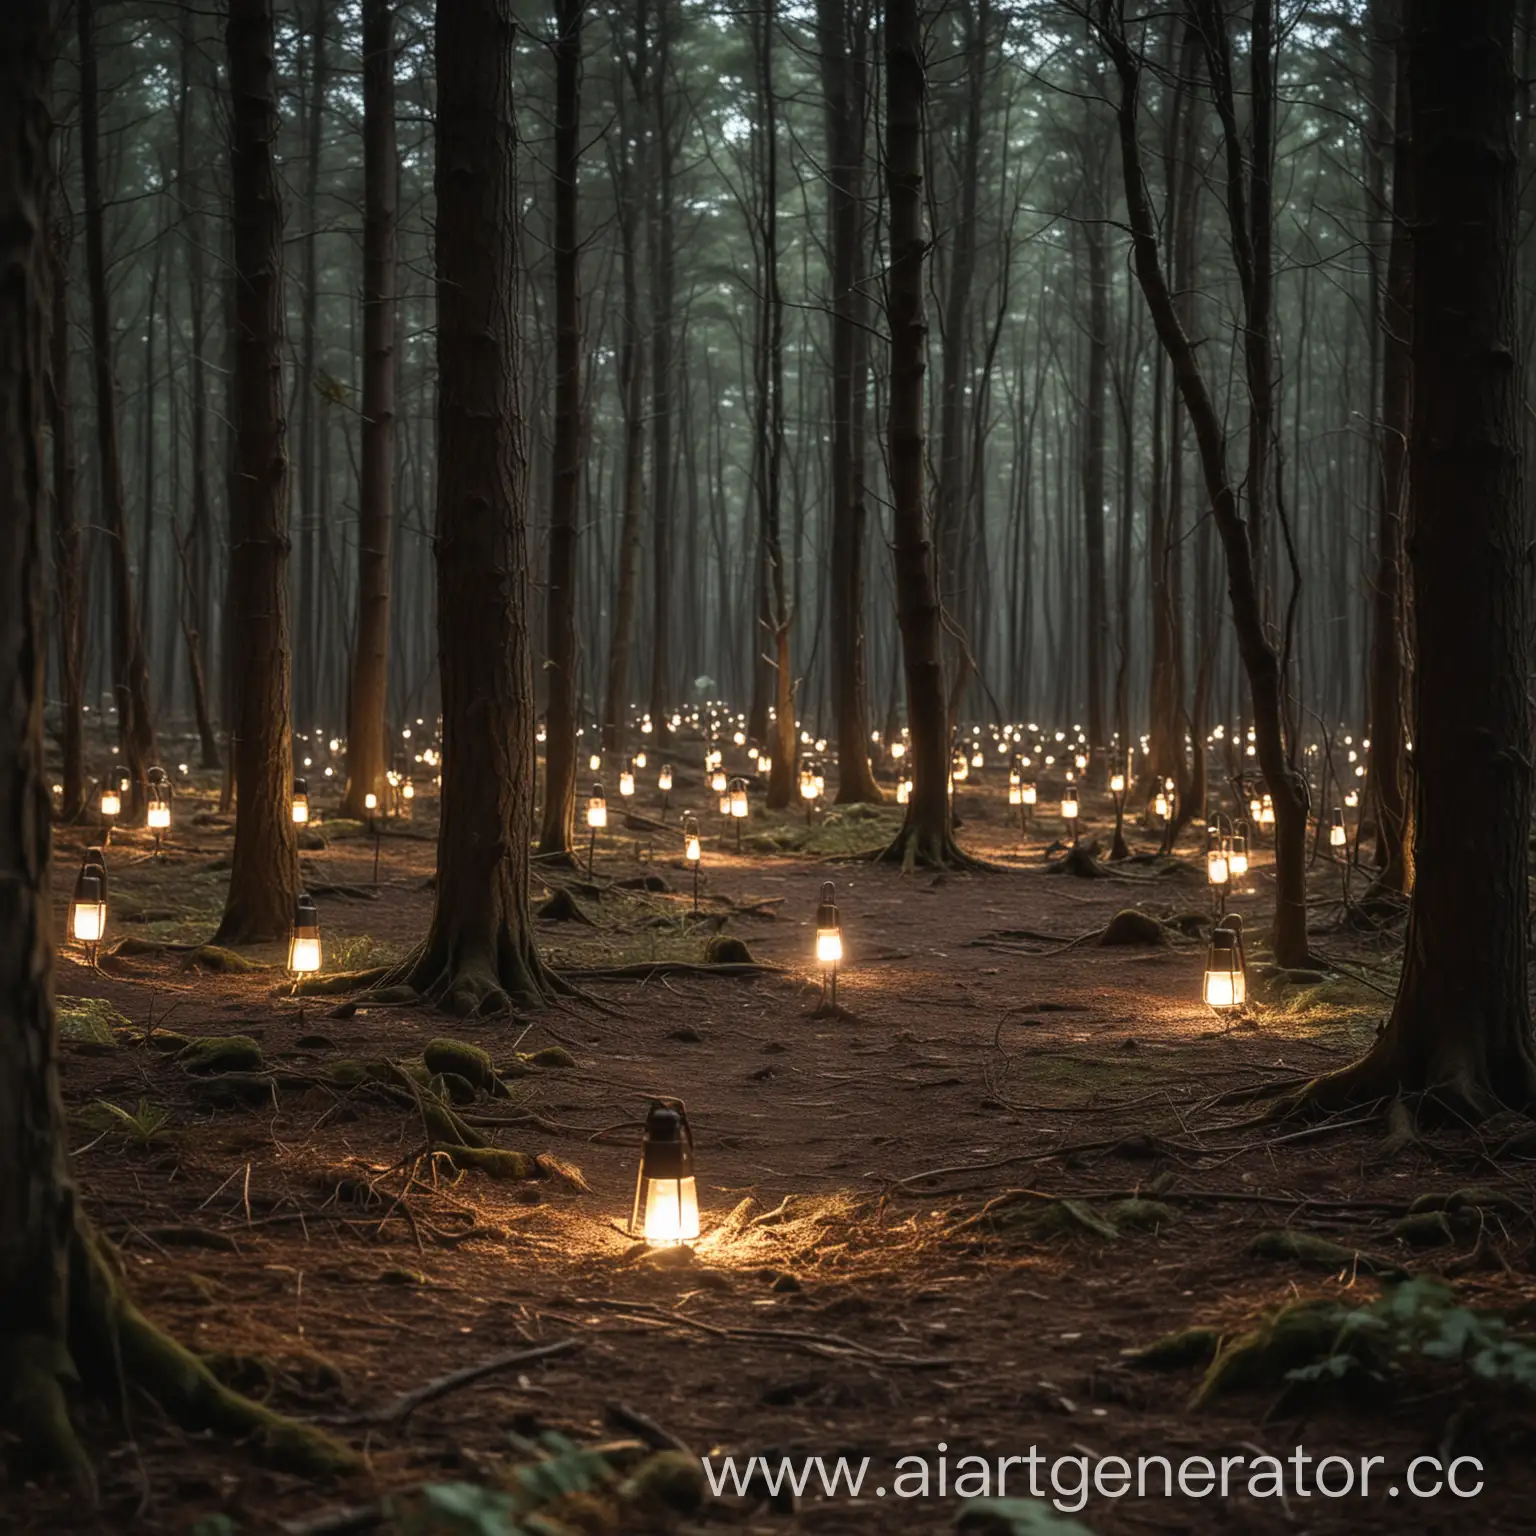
[(306, 673), (36, 1197), (130, 669), (479, 950), (368, 695), (1460, 1029), (67, 567), (925, 834), (663, 250), (1394, 850), (565, 478), (264, 870), (196, 554), (843, 40), (627, 169), (1096, 609)]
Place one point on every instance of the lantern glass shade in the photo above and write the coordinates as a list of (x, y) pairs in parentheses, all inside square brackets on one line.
[(300, 808), (807, 785), (829, 928), (1217, 866), (1337, 836), (1030, 794), (597, 809), (88, 910), (1160, 805), (739, 799), (370, 801), (666, 1210), (594, 762), (1117, 783), (1069, 804), (304, 945), (1352, 798), (977, 760), (1226, 984), (1237, 860), (159, 817), (903, 791), (1267, 812), (664, 779), (1015, 794), (692, 852), (626, 783), (717, 781), (111, 802), (961, 770), (898, 749)]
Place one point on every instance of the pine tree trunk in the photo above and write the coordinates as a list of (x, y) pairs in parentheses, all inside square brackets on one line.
[(1460, 1029), (844, 73), (264, 871), (663, 251), (925, 834), (479, 951), (565, 481), (368, 695), (196, 556), (36, 1198), (67, 570), (1394, 850), (1096, 613), (130, 669)]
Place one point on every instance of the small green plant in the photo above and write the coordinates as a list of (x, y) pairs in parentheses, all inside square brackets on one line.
[(145, 1127)]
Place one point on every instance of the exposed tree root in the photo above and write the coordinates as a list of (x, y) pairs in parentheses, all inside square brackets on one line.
[(112, 1346), (914, 848)]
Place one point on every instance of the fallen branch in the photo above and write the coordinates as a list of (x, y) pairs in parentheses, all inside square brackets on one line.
[(402, 1408)]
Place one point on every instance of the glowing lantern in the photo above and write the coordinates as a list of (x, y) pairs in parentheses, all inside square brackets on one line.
[(1352, 798), (807, 784), (1267, 812), (898, 749), (408, 790), (717, 781), (626, 782), (960, 771), (1161, 805), (304, 945), (1226, 983), (594, 762), (111, 801), (1029, 792), (903, 791), (738, 799), (692, 850), (1069, 803), (1237, 859), (597, 809), (666, 1210), (541, 733), (88, 908), (664, 779), (300, 808), (976, 760), (1218, 868), (1015, 793), (1337, 836), (158, 817), (370, 801), (1117, 783), (829, 930), (639, 759)]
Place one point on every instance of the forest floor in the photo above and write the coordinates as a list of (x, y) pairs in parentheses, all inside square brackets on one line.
[(938, 1249)]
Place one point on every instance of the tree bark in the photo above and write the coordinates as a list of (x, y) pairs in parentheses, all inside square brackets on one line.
[(925, 837), (565, 479), (68, 573), (1460, 1030), (1387, 767), (479, 951), (843, 39), (196, 551), (368, 696), (130, 668), (264, 871)]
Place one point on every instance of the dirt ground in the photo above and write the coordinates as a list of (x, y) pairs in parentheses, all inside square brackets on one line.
[(864, 1304)]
